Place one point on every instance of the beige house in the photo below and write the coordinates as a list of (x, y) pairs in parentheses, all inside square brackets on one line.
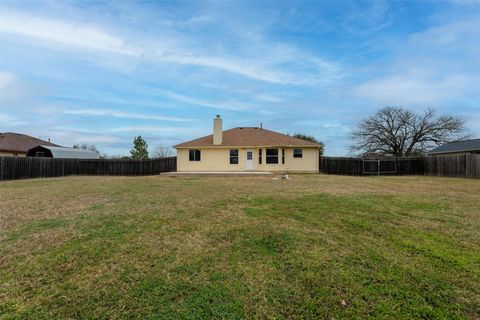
[(247, 149)]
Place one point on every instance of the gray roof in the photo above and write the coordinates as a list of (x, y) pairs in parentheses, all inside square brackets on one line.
[(458, 146), (62, 152)]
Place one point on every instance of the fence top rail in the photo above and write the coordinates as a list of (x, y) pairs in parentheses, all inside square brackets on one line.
[(372, 159), (95, 160), (340, 158)]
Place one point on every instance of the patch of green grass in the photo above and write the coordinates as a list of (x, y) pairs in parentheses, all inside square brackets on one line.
[(272, 244), (238, 248), (182, 300), (365, 264), (33, 227)]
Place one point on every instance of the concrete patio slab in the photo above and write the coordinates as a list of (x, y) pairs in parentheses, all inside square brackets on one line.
[(218, 173)]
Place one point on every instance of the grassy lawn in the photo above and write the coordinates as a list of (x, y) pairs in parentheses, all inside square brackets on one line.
[(247, 247)]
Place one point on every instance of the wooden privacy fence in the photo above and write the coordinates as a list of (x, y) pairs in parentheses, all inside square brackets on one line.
[(12, 168), (464, 166), (127, 167), (359, 167), (343, 166)]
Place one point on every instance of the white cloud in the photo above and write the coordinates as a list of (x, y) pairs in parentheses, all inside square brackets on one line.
[(188, 23), (158, 130), (244, 68), (268, 98), (411, 89), (438, 65), (66, 33), (366, 18), (71, 137), (7, 120), (13, 89), (121, 114), (200, 102), (6, 80), (267, 65), (450, 35)]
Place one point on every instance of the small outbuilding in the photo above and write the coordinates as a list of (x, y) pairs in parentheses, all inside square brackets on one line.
[(458, 147), (62, 153)]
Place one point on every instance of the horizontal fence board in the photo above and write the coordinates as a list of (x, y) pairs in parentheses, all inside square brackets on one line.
[(13, 168)]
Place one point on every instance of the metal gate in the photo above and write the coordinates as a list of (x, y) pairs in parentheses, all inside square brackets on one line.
[(380, 166)]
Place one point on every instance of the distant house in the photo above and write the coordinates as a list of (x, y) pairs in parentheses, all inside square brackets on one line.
[(247, 149), (373, 155), (17, 144), (62, 153), (458, 147)]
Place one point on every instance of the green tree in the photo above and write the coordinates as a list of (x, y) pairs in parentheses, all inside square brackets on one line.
[(311, 139), (140, 149)]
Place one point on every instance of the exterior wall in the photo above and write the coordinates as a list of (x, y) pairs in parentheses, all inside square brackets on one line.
[(218, 159), (11, 154), (211, 159), (308, 163)]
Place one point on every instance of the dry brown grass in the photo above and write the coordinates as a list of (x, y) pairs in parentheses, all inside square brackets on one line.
[(240, 247)]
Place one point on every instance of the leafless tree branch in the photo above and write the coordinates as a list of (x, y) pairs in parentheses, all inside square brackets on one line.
[(162, 151), (400, 132)]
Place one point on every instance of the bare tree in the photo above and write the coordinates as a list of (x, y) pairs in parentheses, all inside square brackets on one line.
[(401, 132), (86, 147), (162, 151)]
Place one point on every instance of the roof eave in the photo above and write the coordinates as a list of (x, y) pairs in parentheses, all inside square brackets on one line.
[(452, 151), (248, 146)]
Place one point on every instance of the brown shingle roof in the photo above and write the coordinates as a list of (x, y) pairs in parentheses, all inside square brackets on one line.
[(17, 142), (249, 137)]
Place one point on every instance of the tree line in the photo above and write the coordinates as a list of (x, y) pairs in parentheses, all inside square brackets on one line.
[(139, 150), (391, 131)]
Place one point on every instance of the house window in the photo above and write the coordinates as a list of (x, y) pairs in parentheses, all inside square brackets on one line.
[(15, 154), (39, 154), (259, 156), (194, 155), (233, 156), (272, 156), (283, 156), (297, 153)]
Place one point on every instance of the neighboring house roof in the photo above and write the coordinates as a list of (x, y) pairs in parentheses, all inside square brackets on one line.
[(71, 153), (17, 142), (373, 155), (249, 137), (458, 146)]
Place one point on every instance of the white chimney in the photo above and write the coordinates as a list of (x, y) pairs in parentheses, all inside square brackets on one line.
[(217, 130)]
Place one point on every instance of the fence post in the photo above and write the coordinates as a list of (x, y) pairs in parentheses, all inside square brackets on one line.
[(2, 169), (467, 166)]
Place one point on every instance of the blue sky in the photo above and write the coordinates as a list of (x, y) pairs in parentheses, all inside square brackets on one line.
[(103, 72)]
